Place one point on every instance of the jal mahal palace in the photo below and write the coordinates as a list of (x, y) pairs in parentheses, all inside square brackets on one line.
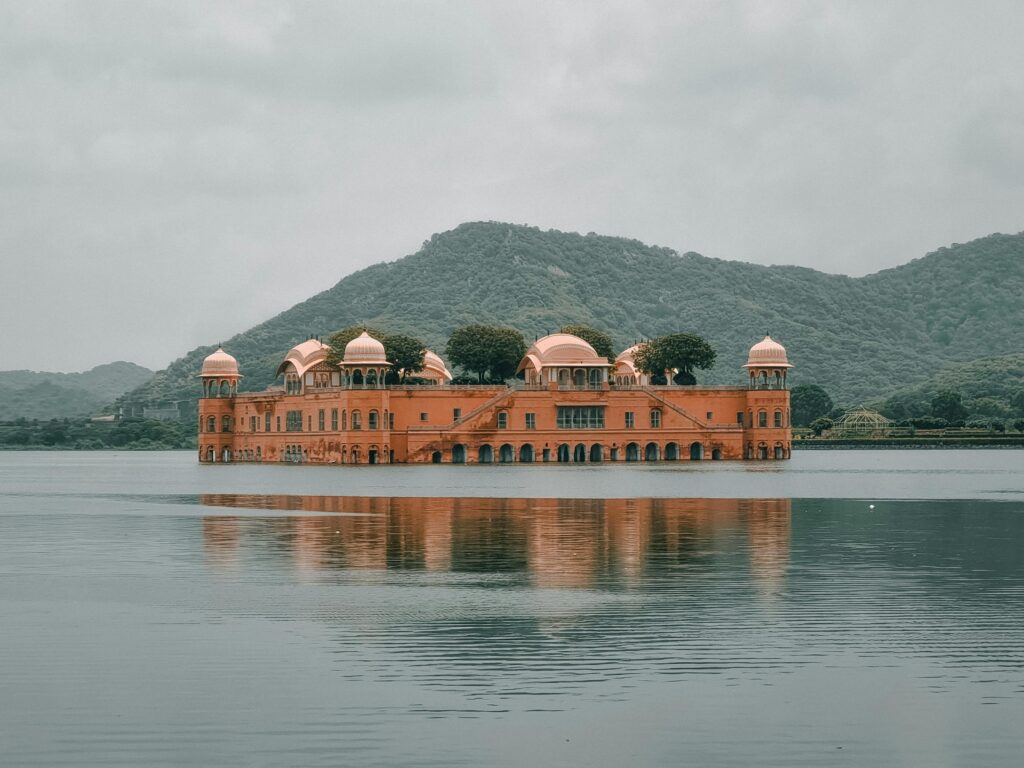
[(568, 405)]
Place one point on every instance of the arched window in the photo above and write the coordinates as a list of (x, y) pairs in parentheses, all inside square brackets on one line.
[(225, 389), (373, 421), (502, 419), (371, 378), (211, 424), (357, 420), (357, 378), (579, 377)]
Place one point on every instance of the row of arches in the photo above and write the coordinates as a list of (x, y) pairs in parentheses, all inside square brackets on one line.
[(220, 387), (763, 450), (580, 453), (295, 453)]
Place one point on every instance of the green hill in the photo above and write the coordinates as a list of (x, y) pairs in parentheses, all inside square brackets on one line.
[(991, 386), (45, 395), (858, 337)]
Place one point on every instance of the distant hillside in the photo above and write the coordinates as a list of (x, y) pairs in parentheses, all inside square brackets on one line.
[(857, 337), (45, 395), (992, 386)]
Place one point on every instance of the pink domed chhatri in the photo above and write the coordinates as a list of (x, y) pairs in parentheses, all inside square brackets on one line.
[(220, 363), (364, 349), (767, 353)]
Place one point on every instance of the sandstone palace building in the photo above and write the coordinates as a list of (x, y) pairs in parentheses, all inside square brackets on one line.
[(571, 405)]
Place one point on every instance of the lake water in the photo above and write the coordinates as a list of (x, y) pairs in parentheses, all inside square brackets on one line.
[(844, 608)]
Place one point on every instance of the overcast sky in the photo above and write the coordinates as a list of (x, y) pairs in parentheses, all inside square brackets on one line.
[(173, 173)]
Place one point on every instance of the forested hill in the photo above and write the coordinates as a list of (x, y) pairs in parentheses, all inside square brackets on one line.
[(858, 337), (46, 395)]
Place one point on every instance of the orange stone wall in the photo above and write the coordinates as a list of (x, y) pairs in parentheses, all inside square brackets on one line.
[(417, 424)]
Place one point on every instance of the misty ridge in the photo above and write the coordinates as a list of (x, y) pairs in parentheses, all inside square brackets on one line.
[(862, 339)]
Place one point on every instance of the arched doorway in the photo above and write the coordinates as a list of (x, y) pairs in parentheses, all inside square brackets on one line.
[(614, 454), (435, 457), (225, 455), (696, 452), (632, 452), (563, 453), (716, 454), (596, 453), (485, 455), (762, 451), (211, 455), (779, 452), (372, 456), (579, 453), (506, 454), (651, 452), (526, 454), (672, 452), (458, 454)]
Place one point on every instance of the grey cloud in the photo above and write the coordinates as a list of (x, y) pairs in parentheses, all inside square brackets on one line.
[(207, 164)]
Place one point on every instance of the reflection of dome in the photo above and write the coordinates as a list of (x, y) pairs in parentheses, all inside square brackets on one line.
[(220, 363), (364, 349), (434, 367), (767, 353), (560, 349), (304, 356)]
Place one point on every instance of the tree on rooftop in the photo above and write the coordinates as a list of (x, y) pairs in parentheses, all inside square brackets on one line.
[(486, 350), (405, 353), (682, 352), (599, 340)]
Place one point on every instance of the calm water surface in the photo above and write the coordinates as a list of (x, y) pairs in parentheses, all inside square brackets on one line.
[(845, 608)]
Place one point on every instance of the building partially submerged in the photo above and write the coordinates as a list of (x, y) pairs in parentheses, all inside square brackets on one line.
[(571, 405)]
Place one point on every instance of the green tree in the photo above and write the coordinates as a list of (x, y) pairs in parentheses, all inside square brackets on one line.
[(337, 341), (599, 340), (680, 351), (405, 353), (487, 350), (1019, 425), (808, 402), (819, 425), (947, 404)]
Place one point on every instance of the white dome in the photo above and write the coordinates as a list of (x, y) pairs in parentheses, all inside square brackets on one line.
[(767, 353), (304, 356), (434, 367), (364, 349), (220, 363)]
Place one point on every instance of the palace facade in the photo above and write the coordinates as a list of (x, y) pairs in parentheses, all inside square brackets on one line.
[(571, 406)]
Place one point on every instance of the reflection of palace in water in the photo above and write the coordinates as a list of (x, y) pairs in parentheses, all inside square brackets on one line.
[(556, 542)]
